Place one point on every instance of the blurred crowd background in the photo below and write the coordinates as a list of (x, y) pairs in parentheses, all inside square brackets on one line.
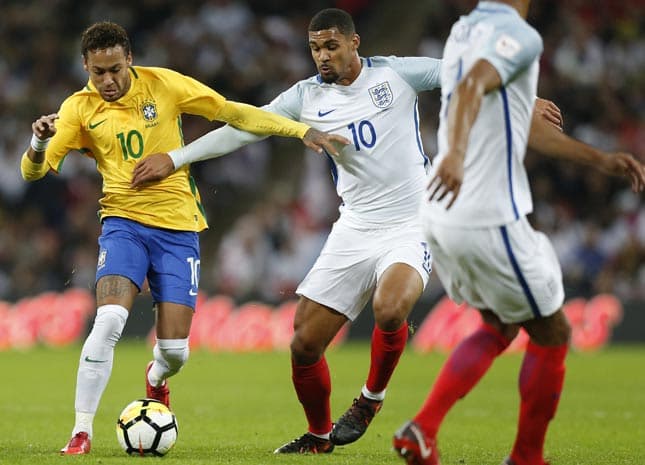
[(271, 204)]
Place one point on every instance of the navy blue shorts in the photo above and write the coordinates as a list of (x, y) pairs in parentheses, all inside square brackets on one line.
[(169, 259)]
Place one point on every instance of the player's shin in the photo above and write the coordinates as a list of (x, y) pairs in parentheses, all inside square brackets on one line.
[(95, 365), (541, 381)]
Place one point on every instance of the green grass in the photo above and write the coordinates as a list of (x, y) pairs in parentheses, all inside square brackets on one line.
[(236, 408)]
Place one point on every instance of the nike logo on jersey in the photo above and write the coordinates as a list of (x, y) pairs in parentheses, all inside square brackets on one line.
[(324, 113), (92, 126), (91, 360)]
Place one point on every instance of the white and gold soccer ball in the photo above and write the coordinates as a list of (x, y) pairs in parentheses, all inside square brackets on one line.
[(146, 427)]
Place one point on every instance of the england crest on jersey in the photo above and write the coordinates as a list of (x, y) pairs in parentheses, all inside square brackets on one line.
[(381, 95)]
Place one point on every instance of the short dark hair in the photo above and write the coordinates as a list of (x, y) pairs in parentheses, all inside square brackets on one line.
[(333, 17), (105, 34)]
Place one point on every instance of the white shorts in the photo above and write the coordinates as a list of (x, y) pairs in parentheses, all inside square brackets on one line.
[(353, 260), (510, 269)]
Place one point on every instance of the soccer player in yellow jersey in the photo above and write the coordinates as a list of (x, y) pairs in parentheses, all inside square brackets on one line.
[(120, 116)]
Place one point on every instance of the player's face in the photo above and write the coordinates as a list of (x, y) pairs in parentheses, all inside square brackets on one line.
[(334, 55), (108, 69)]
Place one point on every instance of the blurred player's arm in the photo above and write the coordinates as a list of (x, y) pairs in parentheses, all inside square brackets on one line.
[(464, 106), (33, 165), (547, 140)]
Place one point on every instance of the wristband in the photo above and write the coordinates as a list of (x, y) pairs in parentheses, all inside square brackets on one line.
[(39, 145)]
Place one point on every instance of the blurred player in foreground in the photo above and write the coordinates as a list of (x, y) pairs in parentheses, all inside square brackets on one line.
[(375, 249), (122, 114), (485, 251)]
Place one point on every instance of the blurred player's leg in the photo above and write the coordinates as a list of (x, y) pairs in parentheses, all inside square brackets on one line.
[(464, 368), (414, 446), (541, 381), (470, 360)]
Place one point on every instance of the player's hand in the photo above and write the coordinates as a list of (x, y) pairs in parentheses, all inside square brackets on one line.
[(319, 141), (625, 165), (154, 167), (549, 111), (448, 178), (45, 126)]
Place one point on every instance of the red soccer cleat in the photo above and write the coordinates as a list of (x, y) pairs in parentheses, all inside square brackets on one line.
[(161, 393), (411, 443), (79, 444)]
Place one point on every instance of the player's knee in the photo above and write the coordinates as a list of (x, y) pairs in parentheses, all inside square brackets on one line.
[(109, 323), (389, 314), (508, 331), (174, 352), (553, 330), (305, 351)]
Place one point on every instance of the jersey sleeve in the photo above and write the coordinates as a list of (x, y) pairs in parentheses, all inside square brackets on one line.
[(68, 135), (196, 98), (288, 103), (421, 73), (228, 139), (512, 48), (190, 95)]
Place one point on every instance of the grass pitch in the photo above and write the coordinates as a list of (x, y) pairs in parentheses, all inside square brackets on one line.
[(237, 408)]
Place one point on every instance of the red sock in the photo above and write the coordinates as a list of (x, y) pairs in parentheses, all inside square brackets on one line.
[(313, 387), (541, 380), (464, 368), (387, 347)]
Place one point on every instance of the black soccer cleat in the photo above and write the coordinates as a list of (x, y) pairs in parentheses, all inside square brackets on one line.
[(354, 422), (306, 444)]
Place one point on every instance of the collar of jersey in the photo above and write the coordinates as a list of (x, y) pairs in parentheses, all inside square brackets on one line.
[(494, 7)]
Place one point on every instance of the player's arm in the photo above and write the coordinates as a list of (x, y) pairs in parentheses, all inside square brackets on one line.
[(464, 106), (261, 122), (547, 140), (33, 165), (213, 144)]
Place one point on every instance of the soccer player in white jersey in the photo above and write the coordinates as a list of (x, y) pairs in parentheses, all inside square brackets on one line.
[(474, 217), (376, 247)]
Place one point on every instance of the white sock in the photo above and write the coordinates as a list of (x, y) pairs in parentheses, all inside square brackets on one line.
[(95, 365), (169, 356), (83, 422), (380, 396)]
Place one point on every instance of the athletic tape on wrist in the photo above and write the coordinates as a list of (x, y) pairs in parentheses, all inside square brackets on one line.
[(39, 145)]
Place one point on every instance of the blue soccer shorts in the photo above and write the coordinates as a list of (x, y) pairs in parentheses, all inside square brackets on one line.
[(169, 259)]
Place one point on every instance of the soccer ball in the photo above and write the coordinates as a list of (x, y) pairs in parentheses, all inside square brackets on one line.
[(146, 427)]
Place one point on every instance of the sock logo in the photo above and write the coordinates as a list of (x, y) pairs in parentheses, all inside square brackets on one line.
[(91, 360)]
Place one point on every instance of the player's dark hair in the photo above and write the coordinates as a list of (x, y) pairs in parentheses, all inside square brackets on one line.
[(333, 17), (105, 34)]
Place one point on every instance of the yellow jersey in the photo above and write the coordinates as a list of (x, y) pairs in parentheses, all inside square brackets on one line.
[(147, 119)]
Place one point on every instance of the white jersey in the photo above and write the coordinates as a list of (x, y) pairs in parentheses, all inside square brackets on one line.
[(495, 187), (381, 175)]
